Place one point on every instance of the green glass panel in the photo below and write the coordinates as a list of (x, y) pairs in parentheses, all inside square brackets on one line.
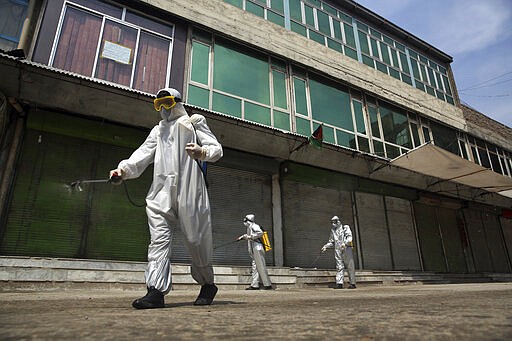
[(423, 59), (277, 5), (316, 37), (440, 95), (430, 90), (295, 10), (257, 113), (415, 70), (368, 61), (413, 54), (395, 126), (449, 99), (323, 23), (275, 18), (345, 17), (394, 73), (420, 86), (237, 3), (300, 96), (310, 19), (447, 85), (241, 74), (381, 67), (198, 96), (363, 42), (349, 35), (282, 120), (385, 53), (227, 105), (317, 3), (328, 133), (351, 53), (364, 145), (279, 64), (392, 151), (254, 9), (375, 49), (303, 126), (330, 105), (442, 70), (394, 56), (400, 46), (372, 111), (334, 45), (297, 28), (406, 79), (345, 139), (424, 73), (388, 40), (375, 33), (415, 134), (439, 84), (337, 29), (362, 27), (200, 62), (378, 148), (359, 116), (329, 9), (405, 65), (279, 89)]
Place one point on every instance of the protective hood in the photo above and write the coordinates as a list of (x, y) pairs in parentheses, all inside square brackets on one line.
[(176, 111), (249, 219)]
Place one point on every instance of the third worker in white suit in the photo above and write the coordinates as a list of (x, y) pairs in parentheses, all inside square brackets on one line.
[(257, 253), (341, 239), (178, 196)]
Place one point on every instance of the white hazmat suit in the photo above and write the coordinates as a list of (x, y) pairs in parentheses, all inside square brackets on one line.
[(178, 194), (341, 239), (257, 253)]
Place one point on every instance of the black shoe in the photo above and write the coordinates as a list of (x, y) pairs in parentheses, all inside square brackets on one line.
[(153, 299), (252, 288), (206, 295), (338, 286), (268, 287), (352, 286)]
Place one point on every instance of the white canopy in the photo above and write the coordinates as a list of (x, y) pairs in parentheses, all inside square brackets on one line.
[(431, 160)]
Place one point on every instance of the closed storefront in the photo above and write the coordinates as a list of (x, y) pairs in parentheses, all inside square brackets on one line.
[(48, 217), (478, 240), (307, 213), (429, 236), (402, 233), (373, 231)]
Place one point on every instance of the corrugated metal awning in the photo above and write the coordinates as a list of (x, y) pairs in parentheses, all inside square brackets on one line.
[(434, 161)]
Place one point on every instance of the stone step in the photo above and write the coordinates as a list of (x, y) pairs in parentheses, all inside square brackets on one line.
[(40, 271)]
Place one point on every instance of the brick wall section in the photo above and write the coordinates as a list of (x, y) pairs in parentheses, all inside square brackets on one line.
[(487, 129)]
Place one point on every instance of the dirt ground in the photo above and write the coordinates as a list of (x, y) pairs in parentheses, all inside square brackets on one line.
[(480, 311)]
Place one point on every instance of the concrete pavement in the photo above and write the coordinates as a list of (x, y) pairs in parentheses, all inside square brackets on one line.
[(480, 311)]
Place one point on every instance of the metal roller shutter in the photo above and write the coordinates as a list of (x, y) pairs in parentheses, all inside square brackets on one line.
[(431, 244), (47, 218), (233, 193), (495, 242), (373, 231), (402, 233), (307, 211), (506, 227), (478, 240), (452, 240)]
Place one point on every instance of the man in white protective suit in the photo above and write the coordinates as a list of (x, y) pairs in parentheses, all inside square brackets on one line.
[(178, 196), (257, 253), (341, 239)]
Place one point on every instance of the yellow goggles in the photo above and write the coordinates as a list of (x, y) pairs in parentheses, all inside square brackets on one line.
[(166, 102)]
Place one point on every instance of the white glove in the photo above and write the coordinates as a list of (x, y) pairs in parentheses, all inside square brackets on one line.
[(195, 151), (343, 246), (324, 249), (244, 236), (116, 176)]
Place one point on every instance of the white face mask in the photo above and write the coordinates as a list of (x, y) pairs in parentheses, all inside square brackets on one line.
[(166, 114)]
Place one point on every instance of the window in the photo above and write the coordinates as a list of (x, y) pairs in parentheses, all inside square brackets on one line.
[(12, 18), (125, 49)]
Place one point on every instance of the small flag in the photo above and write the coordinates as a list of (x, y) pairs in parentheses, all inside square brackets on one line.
[(317, 137)]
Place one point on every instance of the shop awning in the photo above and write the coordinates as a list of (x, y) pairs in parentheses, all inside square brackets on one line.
[(434, 161)]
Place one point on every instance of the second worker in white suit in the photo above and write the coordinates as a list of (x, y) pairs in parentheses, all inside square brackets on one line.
[(257, 253), (341, 239)]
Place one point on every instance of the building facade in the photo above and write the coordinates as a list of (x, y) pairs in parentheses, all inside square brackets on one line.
[(424, 182)]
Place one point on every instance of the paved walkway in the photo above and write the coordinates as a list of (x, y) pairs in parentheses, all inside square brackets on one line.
[(434, 312)]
